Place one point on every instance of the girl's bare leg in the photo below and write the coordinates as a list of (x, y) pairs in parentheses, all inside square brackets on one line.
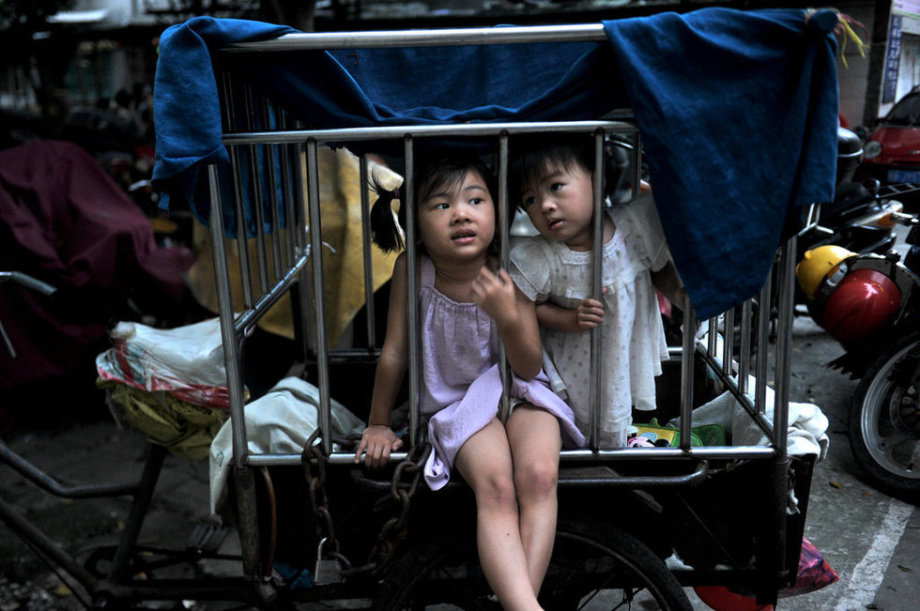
[(535, 443), (485, 462)]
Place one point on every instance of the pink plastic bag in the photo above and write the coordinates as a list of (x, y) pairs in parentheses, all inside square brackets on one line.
[(813, 574)]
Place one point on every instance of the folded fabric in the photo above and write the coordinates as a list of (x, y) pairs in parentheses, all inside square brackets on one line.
[(279, 422)]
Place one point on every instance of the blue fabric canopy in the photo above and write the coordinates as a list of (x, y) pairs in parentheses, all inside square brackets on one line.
[(737, 111)]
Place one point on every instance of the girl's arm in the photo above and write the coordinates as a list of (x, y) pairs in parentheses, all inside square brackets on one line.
[(588, 314), (516, 318), (379, 439)]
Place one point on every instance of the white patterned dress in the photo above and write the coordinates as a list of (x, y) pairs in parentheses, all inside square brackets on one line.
[(632, 335)]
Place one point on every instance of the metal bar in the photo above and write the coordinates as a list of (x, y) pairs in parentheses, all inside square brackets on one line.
[(742, 399), (504, 233), (366, 250), (243, 245), (49, 484), (744, 362), (589, 32), (152, 468), (784, 345), (688, 354), (667, 454), (256, 184), (241, 232), (45, 545), (712, 334), (231, 344), (301, 295), (287, 193), (267, 116), (316, 237), (763, 345), (728, 341), (597, 253), (249, 318), (617, 480), (245, 495), (351, 134), (28, 281), (408, 200)]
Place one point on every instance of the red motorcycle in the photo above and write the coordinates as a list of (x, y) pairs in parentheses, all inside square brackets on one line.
[(871, 304)]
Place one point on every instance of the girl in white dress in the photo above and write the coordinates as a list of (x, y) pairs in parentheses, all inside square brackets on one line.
[(554, 270)]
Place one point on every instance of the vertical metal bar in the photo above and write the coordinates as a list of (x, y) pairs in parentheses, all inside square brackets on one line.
[(504, 233), (712, 336), (152, 468), (366, 249), (256, 183), (231, 344), (763, 343), (316, 256), (408, 197), (637, 165), (273, 198), (288, 191), (238, 196), (784, 346), (597, 253), (744, 362), (728, 341), (242, 475), (301, 294), (687, 356)]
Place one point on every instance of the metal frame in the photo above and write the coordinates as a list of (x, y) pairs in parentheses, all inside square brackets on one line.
[(258, 131)]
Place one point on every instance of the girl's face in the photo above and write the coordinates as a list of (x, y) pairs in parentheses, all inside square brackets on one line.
[(560, 203), (457, 219)]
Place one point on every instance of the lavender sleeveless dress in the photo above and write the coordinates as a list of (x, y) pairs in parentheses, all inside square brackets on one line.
[(461, 385)]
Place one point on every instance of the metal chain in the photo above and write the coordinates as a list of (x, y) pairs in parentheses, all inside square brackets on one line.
[(314, 467), (405, 481)]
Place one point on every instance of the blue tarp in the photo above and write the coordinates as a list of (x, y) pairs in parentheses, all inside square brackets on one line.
[(737, 111)]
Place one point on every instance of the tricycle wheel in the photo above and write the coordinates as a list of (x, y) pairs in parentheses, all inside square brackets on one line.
[(594, 566)]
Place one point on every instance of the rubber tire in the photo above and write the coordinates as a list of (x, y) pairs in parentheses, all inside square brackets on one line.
[(869, 392), (411, 571)]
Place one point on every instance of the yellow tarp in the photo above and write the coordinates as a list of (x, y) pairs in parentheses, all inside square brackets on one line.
[(340, 204)]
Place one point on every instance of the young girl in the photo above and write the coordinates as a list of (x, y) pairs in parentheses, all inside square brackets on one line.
[(465, 307), (554, 271)]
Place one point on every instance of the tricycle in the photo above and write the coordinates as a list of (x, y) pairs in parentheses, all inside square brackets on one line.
[(252, 107)]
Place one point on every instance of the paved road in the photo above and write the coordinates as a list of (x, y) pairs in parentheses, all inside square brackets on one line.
[(871, 539)]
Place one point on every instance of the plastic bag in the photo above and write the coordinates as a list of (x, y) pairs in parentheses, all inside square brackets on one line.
[(187, 362)]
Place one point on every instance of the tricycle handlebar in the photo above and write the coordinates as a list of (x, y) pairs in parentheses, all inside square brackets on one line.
[(28, 281)]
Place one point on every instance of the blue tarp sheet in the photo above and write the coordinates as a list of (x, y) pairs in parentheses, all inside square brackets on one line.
[(737, 111)]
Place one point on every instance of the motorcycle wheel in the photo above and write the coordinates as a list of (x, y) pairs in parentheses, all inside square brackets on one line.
[(884, 419), (593, 567)]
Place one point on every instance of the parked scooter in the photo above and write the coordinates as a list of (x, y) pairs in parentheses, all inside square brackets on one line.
[(860, 218), (871, 304)]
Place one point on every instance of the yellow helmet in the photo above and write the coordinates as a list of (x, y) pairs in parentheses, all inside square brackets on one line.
[(816, 264)]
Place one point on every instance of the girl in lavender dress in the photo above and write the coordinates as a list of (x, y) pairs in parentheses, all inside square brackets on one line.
[(466, 305)]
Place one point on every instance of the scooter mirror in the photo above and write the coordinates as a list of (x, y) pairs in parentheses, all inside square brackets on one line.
[(872, 185)]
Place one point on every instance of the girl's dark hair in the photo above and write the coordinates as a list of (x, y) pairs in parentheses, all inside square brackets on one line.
[(533, 156), (445, 171)]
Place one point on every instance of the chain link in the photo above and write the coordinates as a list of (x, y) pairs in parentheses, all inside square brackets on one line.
[(314, 466), (403, 485), (405, 481)]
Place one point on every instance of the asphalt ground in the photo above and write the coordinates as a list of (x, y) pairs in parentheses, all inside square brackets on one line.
[(871, 539)]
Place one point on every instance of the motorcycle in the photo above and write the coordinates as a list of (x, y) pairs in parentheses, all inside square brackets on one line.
[(870, 303), (860, 218)]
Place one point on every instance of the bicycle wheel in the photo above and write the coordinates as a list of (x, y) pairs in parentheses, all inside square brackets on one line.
[(594, 566)]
